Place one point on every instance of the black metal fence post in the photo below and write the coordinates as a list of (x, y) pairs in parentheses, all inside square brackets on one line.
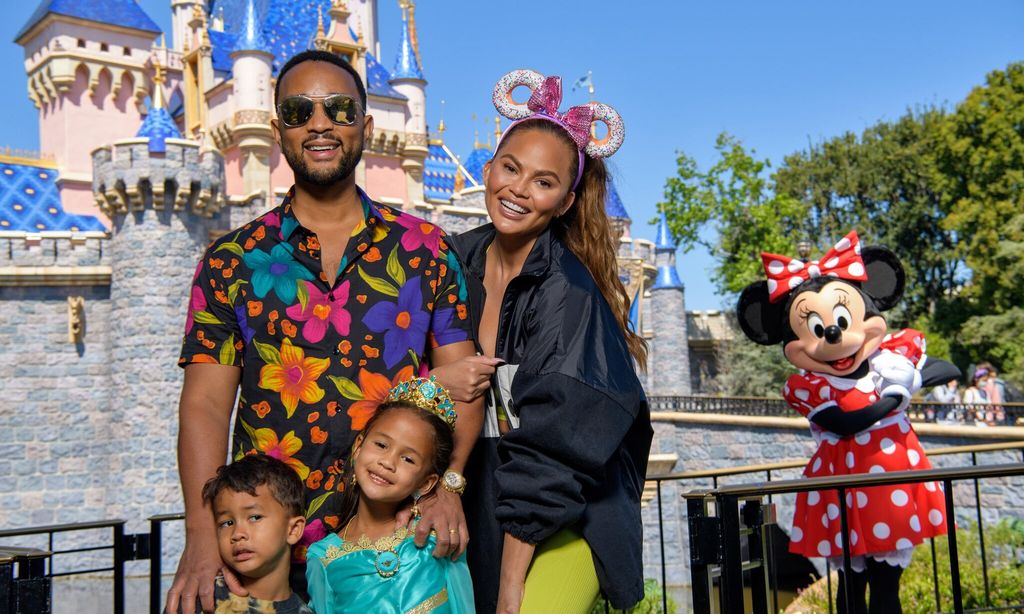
[(119, 559), (756, 517), (732, 557), (155, 565), (704, 551), (661, 540), (29, 590), (954, 560)]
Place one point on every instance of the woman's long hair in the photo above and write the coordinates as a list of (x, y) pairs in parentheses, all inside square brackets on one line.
[(443, 446), (588, 233)]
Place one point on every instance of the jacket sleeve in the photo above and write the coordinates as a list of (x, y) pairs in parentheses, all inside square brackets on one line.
[(576, 395), (567, 432)]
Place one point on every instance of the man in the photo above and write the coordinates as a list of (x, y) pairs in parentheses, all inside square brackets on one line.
[(316, 309)]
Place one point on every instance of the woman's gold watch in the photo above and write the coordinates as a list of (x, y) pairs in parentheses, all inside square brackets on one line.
[(453, 481)]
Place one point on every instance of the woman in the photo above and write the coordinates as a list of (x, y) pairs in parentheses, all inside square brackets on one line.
[(554, 482), (975, 395)]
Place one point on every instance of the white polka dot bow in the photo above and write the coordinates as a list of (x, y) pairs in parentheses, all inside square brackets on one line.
[(843, 261)]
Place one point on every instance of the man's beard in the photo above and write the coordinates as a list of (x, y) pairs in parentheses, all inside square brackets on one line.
[(303, 174)]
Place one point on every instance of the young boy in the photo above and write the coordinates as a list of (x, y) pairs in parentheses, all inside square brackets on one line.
[(257, 505)]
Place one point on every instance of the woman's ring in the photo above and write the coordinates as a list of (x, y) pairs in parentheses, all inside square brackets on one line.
[(453, 531)]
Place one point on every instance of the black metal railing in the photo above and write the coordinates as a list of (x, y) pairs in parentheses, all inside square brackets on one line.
[(149, 546), (720, 518), (156, 531), (1004, 414), (769, 470), (122, 546)]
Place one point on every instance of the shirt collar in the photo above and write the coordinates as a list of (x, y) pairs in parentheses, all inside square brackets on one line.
[(372, 213)]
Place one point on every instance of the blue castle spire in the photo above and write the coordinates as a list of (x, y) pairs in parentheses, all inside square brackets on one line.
[(407, 64), (663, 239), (613, 203), (250, 34), (665, 248), (158, 125)]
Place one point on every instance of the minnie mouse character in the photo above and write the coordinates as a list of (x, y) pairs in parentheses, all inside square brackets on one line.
[(854, 386)]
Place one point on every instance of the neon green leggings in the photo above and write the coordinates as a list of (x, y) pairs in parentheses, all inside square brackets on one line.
[(561, 577)]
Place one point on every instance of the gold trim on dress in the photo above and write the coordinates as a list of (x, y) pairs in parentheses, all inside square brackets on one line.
[(365, 543), (431, 604)]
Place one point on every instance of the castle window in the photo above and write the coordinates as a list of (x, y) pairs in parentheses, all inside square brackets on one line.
[(104, 47), (127, 51), (81, 43)]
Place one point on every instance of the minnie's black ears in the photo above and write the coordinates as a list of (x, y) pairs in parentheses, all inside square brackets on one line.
[(760, 320), (886, 277)]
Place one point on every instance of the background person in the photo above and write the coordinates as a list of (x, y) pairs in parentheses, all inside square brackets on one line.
[(976, 398)]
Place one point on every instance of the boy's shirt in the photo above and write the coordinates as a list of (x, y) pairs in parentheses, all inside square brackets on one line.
[(229, 603)]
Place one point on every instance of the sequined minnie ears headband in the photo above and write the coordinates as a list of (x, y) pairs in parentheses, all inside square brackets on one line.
[(545, 97), (428, 395)]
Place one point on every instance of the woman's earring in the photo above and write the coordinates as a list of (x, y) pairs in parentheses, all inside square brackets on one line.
[(354, 480)]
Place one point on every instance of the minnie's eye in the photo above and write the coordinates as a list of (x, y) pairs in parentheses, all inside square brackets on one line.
[(842, 316), (816, 325)]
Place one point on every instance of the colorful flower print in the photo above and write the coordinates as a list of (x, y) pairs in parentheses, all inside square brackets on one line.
[(291, 374), (404, 323), (419, 233), (277, 270), (316, 308)]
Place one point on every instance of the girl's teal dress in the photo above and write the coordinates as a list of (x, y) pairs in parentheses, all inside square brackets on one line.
[(388, 576)]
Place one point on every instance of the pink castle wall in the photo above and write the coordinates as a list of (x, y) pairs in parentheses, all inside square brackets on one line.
[(75, 124), (281, 175), (384, 177)]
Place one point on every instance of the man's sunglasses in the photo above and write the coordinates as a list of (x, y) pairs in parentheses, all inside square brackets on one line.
[(295, 111)]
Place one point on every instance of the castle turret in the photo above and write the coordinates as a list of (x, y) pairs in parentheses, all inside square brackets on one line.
[(616, 210), (83, 59), (163, 201), (158, 125), (670, 353), (407, 78), (181, 14), (252, 65)]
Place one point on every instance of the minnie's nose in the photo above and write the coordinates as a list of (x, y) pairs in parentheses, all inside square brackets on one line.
[(833, 334)]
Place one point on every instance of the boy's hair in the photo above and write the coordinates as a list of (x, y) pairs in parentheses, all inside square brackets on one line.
[(255, 470), (316, 55)]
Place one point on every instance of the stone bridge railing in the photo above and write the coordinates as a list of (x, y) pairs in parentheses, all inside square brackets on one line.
[(1003, 414)]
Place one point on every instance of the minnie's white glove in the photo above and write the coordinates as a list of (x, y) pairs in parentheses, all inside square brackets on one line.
[(899, 376)]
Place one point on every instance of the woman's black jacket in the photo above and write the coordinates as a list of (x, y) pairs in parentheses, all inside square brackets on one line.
[(578, 455)]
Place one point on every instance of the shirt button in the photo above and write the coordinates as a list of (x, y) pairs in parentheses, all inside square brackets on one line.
[(337, 351)]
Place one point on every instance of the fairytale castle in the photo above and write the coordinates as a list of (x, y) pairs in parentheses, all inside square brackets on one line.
[(151, 145)]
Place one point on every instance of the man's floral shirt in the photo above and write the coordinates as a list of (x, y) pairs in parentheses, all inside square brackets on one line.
[(318, 357)]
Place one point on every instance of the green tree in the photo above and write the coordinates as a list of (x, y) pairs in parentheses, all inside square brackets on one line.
[(982, 164), (735, 197), (747, 369), (886, 184)]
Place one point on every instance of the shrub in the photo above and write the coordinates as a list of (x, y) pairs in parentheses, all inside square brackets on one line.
[(1004, 548), (650, 604)]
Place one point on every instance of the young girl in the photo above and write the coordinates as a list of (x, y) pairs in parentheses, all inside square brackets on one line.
[(370, 566)]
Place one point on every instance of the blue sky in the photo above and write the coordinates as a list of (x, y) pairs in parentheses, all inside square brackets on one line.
[(777, 75)]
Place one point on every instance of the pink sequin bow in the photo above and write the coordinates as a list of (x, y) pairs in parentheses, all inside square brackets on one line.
[(843, 261), (577, 120)]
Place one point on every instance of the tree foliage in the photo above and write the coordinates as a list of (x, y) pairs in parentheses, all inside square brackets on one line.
[(943, 189), (734, 195)]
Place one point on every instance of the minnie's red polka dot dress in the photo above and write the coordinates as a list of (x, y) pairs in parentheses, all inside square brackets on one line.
[(882, 519)]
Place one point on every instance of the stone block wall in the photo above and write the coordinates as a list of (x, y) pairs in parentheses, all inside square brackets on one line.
[(55, 426)]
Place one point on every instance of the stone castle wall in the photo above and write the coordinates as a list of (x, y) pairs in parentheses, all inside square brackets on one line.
[(55, 425)]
